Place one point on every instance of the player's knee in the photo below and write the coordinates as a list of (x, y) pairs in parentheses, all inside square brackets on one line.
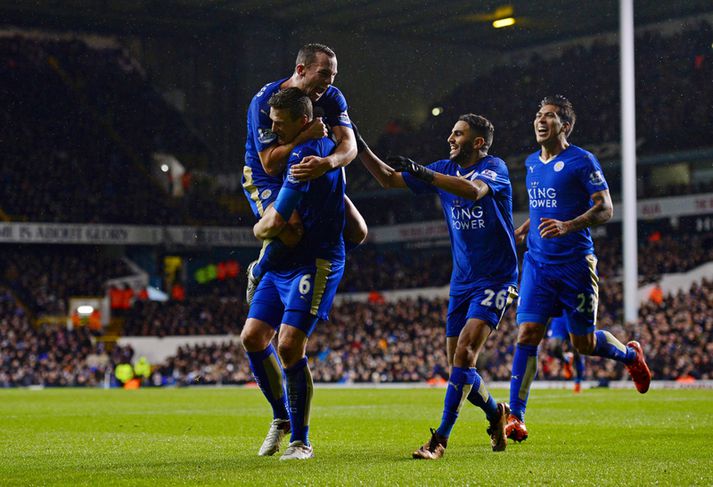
[(465, 355), (584, 344), (254, 338), (290, 351), (530, 334), (252, 342)]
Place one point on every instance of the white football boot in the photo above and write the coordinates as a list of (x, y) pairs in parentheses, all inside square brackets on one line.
[(252, 283), (278, 429), (297, 451)]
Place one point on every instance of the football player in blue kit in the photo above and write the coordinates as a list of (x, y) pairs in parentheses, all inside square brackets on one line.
[(557, 334), (266, 156), (567, 195), (475, 191), (298, 292)]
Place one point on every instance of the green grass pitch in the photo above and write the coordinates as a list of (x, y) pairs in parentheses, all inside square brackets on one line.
[(361, 436)]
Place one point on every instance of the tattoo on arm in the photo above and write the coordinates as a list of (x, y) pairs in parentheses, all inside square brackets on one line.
[(600, 212)]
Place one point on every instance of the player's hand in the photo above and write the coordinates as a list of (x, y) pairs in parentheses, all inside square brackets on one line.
[(404, 164), (521, 233), (316, 129), (551, 228), (400, 163), (311, 167)]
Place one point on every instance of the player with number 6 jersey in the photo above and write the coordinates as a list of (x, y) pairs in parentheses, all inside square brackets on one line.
[(475, 191), (298, 291)]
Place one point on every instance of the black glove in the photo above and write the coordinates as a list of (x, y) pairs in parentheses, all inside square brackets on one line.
[(404, 164), (360, 142)]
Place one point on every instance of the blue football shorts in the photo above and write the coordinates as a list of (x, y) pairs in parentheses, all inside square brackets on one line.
[(487, 302), (261, 191), (558, 329), (570, 289), (299, 297)]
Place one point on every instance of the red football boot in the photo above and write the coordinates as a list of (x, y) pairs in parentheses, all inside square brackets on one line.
[(638, 369), (515, 429), (567, 365)]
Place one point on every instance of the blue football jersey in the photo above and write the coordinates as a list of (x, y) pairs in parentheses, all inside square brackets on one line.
[(321, 208), (332, 104), (482, 236), (561, 189)]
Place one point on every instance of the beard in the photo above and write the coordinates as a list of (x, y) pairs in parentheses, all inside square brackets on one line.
[(463, 155)]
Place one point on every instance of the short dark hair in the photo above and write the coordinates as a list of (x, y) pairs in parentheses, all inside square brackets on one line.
[(481, 126), (565, 109), (308, 53), (294, 100)]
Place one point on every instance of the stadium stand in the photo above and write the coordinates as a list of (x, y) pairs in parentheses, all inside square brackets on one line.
[(49, 355), (78, 131), (45, 277), (404, 342), (682, 65)]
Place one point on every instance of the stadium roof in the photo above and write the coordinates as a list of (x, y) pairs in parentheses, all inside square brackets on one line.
[(448, 21)]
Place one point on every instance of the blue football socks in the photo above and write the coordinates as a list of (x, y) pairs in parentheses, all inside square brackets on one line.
[(459, 384), (578, 367), (267, 370), (299, 393), (609, 347), (524, 370), (479, 396)]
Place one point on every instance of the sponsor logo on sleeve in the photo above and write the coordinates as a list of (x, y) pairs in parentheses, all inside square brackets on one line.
[(344, 118), (266, 136), (489, 174), (596, 178)]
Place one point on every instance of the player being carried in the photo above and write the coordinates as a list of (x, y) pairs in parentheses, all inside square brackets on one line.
[(266, 156), (299, 290), (568, 194), (475, 191)]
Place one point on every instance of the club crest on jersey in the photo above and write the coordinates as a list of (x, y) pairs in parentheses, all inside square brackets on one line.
[(559, 166), (266, 194), (266, 136), (596, 178)]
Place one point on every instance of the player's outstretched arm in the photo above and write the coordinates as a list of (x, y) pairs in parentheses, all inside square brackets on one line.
[(600, 212), (465, 188), (274, 158), (387, 176)]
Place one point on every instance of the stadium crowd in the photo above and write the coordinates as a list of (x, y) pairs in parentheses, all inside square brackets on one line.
[(403, 341), (45, 277), (666, 65), (78, 127), (50, 355)]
